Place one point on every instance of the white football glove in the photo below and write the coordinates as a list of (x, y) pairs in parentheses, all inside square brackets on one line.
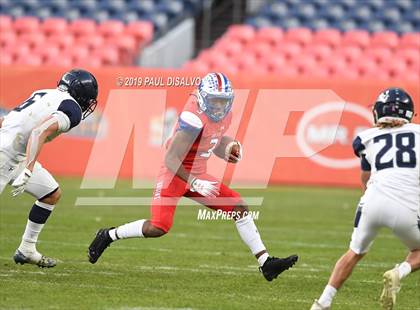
[(20, 182), (205, 188)]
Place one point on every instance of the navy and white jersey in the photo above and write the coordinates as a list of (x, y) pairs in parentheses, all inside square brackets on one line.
[(18, 124), (393, 157)]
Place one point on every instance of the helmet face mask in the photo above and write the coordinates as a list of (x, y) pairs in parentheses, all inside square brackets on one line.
[(393, 104), (215, 96), (83, 87), (91, 107)]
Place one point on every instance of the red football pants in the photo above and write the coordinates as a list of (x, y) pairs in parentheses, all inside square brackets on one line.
[(170, 189)]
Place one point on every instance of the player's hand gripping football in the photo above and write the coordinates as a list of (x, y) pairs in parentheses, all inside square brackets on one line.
[(205, 188), (20, 182), (233, 152)]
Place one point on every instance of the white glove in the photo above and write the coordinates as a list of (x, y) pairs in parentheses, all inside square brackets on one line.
[(20, 182), (205, 188)]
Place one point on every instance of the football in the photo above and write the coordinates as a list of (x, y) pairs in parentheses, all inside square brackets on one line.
[(235, 152)]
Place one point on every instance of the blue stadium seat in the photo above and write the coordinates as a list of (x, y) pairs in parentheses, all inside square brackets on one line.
[(112, 8), (5, 6), (141, 8), (160, 12), (70, 13), (317, 24), (57, 7), (86, 8), (108, 10), (333, 13), (320, 3), (260, 22), (100, 15), (390, 16), (124, 17), (16, 10), (406, 5), (42, 12), (413, 18), (276, 10), (373, 15), (374, 25), (305, 11), (404, 27), (171, 8), (28, 4), (193, 5), (362, 14), (350, 4), (159, 20), (288, 22)]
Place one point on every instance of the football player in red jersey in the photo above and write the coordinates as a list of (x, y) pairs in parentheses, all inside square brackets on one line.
[(200, 132)]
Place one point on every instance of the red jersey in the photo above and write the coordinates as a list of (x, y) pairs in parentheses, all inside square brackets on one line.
[(209, 135)]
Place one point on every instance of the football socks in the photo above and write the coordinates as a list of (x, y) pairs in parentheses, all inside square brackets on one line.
[(250, 235), (327, 296), (404, 270), (37, 218), (129, 230)]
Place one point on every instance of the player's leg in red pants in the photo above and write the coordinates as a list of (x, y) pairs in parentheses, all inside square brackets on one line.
[(169, 189), (228, 200)]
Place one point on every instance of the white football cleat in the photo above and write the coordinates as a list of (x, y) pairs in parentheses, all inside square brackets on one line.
[(391, 288), (317, 306), (34, 259)]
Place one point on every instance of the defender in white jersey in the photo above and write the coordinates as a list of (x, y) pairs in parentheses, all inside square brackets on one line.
[(23, 131), (390, 160)]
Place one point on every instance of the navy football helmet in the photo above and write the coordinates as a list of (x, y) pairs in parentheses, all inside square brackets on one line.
[(83, 87), (393, 104)]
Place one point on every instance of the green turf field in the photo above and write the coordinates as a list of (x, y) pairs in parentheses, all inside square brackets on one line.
[(199, 264)]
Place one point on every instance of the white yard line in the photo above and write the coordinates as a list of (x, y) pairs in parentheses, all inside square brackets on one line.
[(222, 270), (150, 308), (146, 201)]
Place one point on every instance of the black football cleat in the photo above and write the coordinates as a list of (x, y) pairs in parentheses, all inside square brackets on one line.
[(274, 266), (99, 244)]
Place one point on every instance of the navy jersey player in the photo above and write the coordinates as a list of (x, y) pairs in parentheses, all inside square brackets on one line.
[(390, 156), (23, 132)]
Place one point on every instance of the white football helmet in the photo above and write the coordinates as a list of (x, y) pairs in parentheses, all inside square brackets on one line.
[(215, 96)]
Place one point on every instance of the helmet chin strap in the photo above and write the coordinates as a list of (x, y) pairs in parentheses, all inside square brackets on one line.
[(375, 117)]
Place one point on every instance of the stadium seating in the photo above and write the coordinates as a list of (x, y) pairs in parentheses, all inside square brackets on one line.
[(112, 31), (349, 38), (302, 52), (161, 13), (399, 16), (344, 38), (81, 42)]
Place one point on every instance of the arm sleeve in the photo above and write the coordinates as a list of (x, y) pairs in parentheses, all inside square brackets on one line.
[(68, 114), (190, 122), (364, 163), (62, 120), (358, 146), (359, 151)]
